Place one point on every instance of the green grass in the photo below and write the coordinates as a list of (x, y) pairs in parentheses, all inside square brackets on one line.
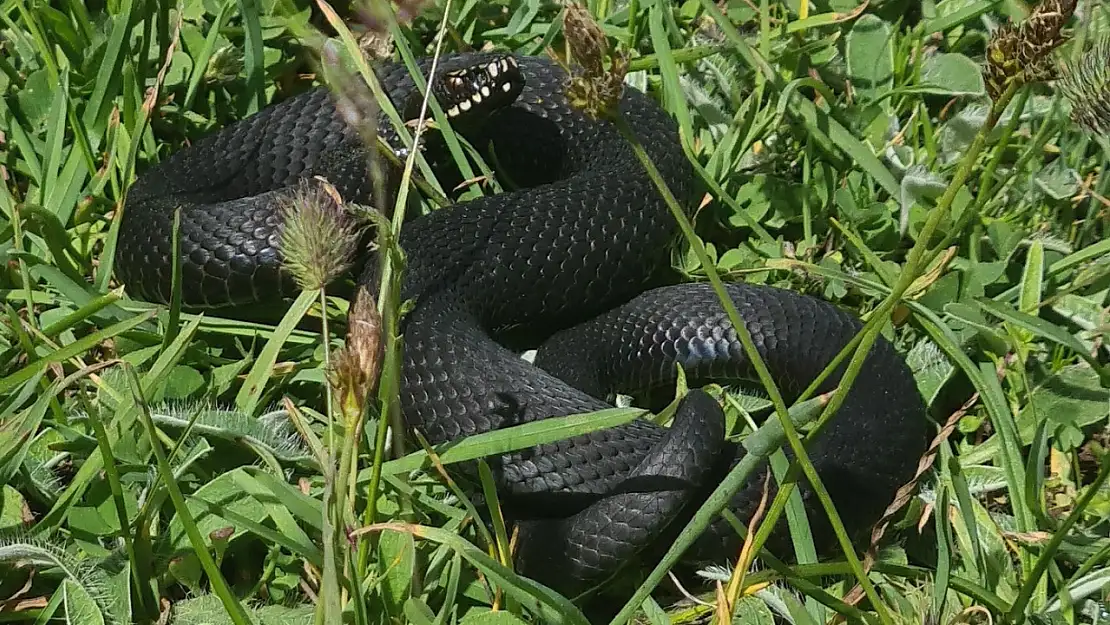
[(153, 459)]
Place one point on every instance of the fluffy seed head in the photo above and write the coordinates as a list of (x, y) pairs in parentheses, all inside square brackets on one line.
[(318, 236), (224, 65)]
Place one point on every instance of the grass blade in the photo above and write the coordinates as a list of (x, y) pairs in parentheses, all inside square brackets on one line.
[(235, 610), (250, 394)]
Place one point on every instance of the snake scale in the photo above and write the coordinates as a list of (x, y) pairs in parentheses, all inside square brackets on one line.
[(572, 262)]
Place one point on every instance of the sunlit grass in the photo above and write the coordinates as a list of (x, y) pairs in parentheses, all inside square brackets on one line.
[(154, 459)]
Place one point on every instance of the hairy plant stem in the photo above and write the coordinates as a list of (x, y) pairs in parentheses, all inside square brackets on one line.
[(389, 306), (328, 401)]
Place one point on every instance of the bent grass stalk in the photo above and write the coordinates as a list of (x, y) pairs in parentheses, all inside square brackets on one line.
[(389, 288), (915, 264), (781, 410)]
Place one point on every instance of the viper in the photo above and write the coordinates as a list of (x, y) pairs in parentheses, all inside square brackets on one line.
[(574, 260)]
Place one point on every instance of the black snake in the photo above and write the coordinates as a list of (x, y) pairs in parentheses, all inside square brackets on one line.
[(574, 262)]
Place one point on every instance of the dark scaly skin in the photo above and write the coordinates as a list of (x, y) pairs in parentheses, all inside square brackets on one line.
[(228, 185), (569, 261), (869, 449)]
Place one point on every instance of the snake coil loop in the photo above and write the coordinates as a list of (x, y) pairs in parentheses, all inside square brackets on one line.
[(572, 262)]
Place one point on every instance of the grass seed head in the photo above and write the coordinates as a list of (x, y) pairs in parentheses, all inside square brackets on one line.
[(595, 90), (355, 368), (224, 66), (319, 237), (1021, 53), (1086, 84)]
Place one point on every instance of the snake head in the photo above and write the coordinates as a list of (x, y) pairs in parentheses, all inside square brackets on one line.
[(471, 86)]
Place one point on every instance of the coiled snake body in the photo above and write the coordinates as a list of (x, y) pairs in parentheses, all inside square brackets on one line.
[(570, 262)]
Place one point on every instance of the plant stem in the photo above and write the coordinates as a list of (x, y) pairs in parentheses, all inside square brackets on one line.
[(761, 444), (915, 263), (986, 181), (917, 258), (781, 410), (111, 471), (330, 408), (388, 305)]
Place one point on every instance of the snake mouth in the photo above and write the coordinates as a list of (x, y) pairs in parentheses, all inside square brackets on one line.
[(480, 88)]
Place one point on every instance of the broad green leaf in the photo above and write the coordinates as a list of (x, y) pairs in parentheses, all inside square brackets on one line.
[(951, 74), (418, 612), (224, 498), (931, 369), (95, 514), (919, 186), (231, 501), (870, 57), (35, 98), (182, 382), (1071, 397), (753, 610), (13, 508), (397, 560), (80, 607), (1058, 181)]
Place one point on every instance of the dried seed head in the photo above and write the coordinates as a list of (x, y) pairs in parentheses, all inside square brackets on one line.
[(1086, 84), (355, 368), (594, 89), (1021, 53), (586, 39), (318, 236)]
